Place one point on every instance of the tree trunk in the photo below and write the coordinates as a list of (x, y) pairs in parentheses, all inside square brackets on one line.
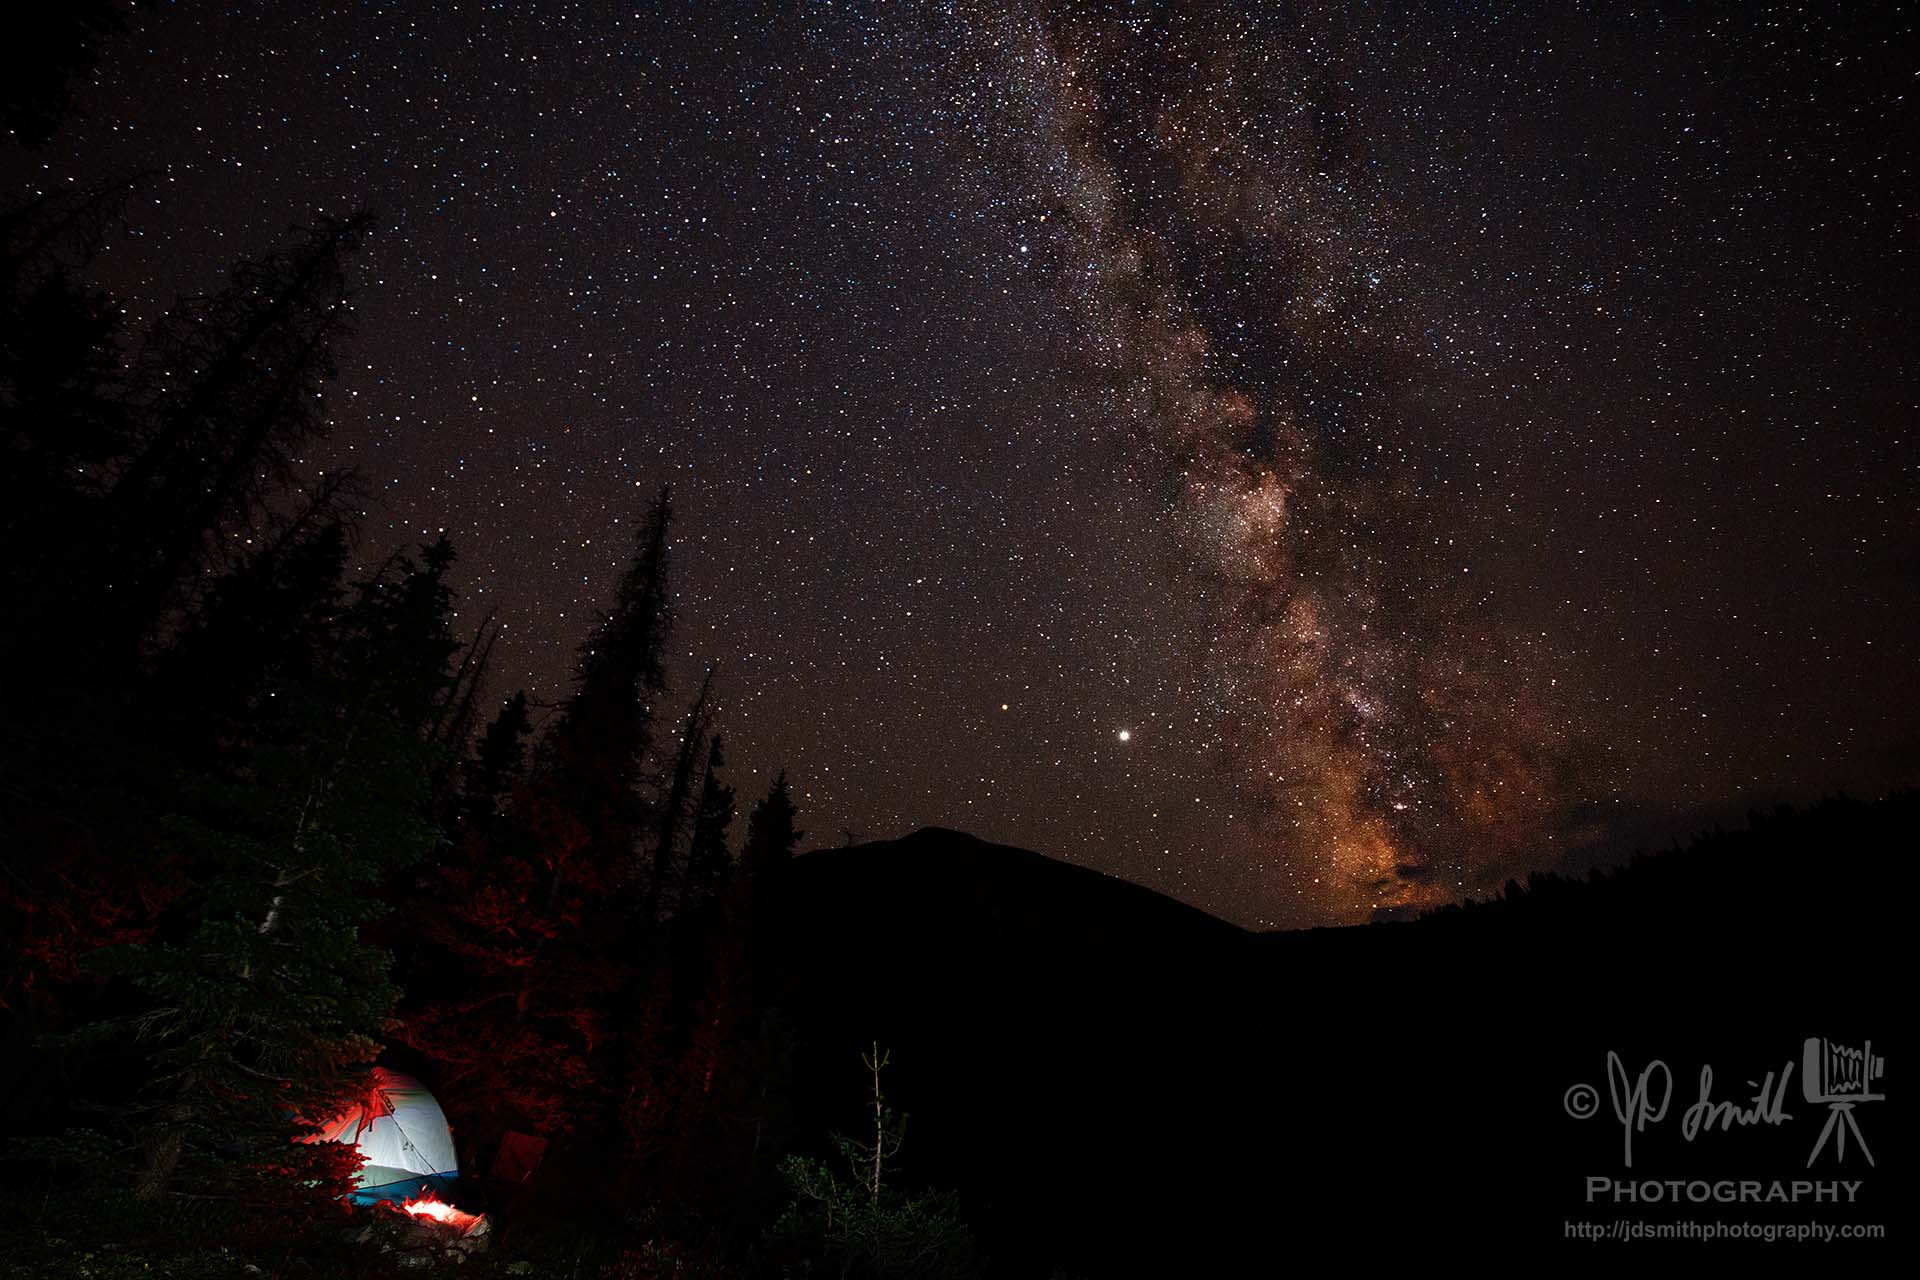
[(164, 1150)]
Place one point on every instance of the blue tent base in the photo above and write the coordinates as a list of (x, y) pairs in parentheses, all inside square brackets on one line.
[(407, 1188)]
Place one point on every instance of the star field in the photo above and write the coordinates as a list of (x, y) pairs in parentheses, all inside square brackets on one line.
[(1309, 463)]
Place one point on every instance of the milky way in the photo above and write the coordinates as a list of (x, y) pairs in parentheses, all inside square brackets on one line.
[(1311, 460), (1235, 283)]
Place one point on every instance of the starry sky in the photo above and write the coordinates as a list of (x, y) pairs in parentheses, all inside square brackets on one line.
[(1314, 460)]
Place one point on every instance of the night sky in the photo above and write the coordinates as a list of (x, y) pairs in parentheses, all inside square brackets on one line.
[(1308, 459)]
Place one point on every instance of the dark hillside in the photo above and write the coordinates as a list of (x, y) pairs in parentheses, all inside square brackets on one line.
[(1111, 1077)]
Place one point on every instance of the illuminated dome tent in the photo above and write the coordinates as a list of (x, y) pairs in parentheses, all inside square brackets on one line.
[(402, 1132)]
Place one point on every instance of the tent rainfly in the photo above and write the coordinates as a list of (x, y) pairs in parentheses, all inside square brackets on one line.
[(402, 1132)]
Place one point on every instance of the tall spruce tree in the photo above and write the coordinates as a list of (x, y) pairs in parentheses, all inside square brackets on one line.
[(124, 695), (708, 861), (771, 833), (534, 919), (594, 761), (671, 818), (497, 763), (710, 1083), (264, 1003), (269, 617), (227, 397)]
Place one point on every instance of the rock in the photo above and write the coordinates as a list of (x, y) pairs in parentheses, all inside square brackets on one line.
[(421, 1235), (477, 1239)]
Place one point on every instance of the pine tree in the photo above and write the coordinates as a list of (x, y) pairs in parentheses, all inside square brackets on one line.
[(452, 730), (267, 619), (497, 763), (264, 1002), (758, 969), (672, 815), (709, 863), (227, 397), (867, 1225), (535, 911), (680, 1014), (771, 834), (595, 758), (93, 742)]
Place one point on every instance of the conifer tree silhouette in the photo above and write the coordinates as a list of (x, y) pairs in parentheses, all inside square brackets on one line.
[(709, 864), (262, 1015)]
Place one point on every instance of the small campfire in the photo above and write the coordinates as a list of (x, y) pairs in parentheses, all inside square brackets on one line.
[(431, 1206), (424, 1227)]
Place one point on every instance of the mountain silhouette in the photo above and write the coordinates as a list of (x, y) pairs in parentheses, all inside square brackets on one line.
[(942, 878), (1115, 1080), (1052, 1028)]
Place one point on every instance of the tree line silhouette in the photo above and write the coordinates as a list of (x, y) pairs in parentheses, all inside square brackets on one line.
[(1818, 866)]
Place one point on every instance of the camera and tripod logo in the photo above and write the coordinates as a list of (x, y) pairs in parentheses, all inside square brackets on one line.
[(1842, 1078)]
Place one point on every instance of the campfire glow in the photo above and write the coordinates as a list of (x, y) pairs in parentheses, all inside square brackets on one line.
[(425, 1227), (429, 1207)]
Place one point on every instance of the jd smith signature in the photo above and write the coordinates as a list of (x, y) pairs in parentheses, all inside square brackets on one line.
[(1635, 1108)]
